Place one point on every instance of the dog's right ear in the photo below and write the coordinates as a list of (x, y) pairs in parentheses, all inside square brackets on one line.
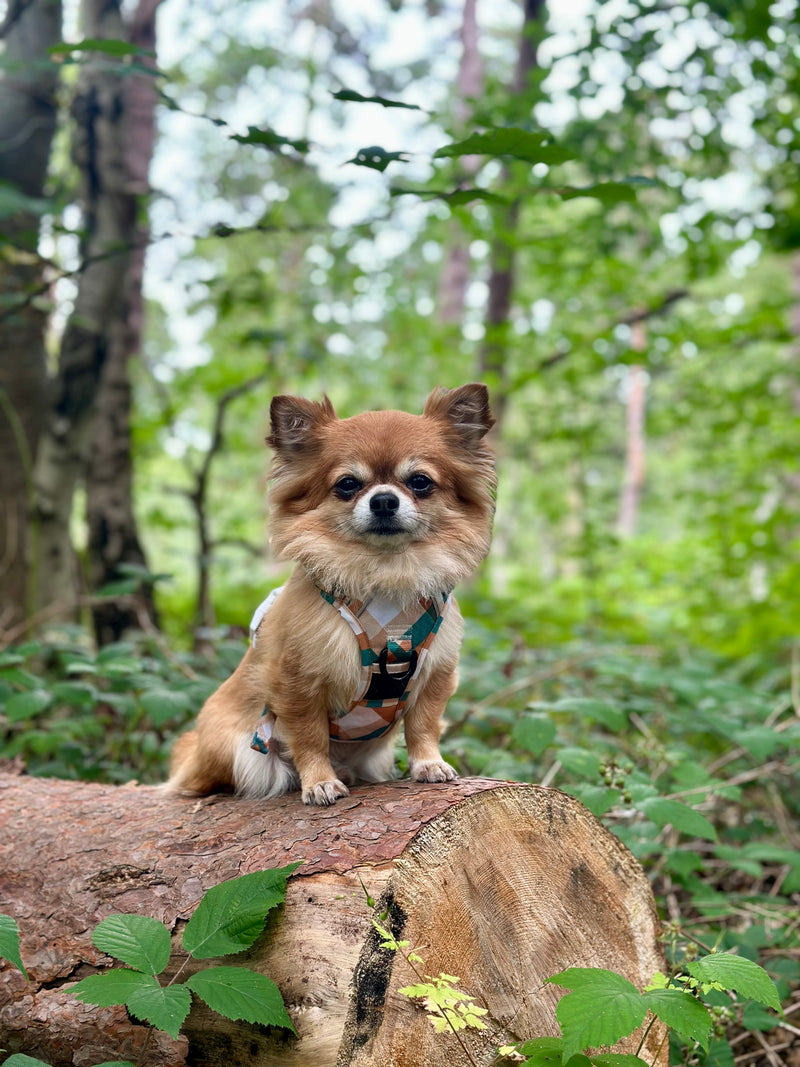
[(294, 422)]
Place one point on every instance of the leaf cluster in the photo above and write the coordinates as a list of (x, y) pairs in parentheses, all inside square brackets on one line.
[(227, 921)]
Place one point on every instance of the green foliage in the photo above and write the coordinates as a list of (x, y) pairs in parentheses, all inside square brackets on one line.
[(603, 1007), (231, 915), (9, 942), (71, 711), (448, 1009), (228, 920)]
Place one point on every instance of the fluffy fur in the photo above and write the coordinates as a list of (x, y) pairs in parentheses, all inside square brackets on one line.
[(381, 504)]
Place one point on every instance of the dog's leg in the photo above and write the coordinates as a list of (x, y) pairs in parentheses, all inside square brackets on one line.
[(303, 728), (423, 725)]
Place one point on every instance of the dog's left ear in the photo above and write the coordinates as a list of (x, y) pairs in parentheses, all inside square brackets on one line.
[(466, 409), (294, 422)]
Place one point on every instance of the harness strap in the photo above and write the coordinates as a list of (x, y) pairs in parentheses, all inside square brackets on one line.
[(394, 642)]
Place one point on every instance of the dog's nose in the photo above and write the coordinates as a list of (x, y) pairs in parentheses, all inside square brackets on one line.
[(384, 503)]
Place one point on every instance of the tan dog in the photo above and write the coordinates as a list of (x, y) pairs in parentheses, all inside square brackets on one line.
[(383, 513)]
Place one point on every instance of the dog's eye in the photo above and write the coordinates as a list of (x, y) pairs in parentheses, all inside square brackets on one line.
[(347, 487), (420, 484)]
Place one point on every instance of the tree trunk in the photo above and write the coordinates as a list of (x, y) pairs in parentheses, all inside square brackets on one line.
[(455, 275), (503, 885), (113, 535), (494, 355), (633, 477), (27, 123), (109, 220)]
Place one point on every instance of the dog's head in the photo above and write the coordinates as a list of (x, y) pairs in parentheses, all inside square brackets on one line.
[(385, 501)]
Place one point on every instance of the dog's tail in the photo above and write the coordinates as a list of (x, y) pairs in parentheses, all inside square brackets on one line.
[(263, 774)]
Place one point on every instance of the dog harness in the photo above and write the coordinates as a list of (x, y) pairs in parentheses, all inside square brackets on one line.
[(393, 642)]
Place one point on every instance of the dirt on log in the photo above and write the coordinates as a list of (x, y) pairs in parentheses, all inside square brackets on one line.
[(503, 885)]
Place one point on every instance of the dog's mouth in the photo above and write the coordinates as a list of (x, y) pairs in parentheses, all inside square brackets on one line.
[(386, 527)]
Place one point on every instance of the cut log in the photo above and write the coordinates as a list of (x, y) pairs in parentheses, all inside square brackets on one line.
[(503, 885)]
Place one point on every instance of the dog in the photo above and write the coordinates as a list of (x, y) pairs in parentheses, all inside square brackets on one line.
[(383, 514)]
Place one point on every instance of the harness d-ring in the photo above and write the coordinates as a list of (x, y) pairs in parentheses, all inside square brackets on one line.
[(383, 659)]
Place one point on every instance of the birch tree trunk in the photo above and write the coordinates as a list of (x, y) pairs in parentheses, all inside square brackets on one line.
[(455, 275), (635, 403), (503, 885), (27, 124)]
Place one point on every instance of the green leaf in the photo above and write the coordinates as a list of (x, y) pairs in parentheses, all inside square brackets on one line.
[(231, 916), (107, 46), (532, 147), (9, 942), (137, 940), (595, 710), (617, 1059), (75, 694), (579, 761), (13, 200), (26, 705), (681, 1011), (163, 1007), (19, 1059), (760, 741), (720, 1054), (602, 1008), (755, 1017), (113, 987), (597, 798), (377, 158), (608, 193), (161, 705), (534, 731), (738, 975), (543, 1052), (239, 993), (454, 197), (665, 812), (268, 138), (357, 98)]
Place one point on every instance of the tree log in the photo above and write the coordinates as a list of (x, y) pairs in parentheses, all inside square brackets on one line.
[(501, 884)]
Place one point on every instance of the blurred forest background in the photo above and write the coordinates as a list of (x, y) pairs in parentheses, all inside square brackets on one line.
[(593, 207)]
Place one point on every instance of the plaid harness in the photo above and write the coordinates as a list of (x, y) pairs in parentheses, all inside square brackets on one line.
[(393, 643)]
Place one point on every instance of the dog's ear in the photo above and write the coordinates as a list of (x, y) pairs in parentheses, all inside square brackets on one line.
[(465, 408), (295, 422)]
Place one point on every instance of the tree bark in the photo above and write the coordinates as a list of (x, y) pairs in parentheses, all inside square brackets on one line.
[(109, 220), (27, 123), (503, 885), (113, 534)]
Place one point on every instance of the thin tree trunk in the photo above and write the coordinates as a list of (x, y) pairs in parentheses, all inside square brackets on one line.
[(494, 355), (109, 220), (633, 478), (113, 536), (28, 112), (469, 85), (205, 618)]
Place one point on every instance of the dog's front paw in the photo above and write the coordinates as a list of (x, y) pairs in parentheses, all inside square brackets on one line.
[(432, 770), (325, 793)]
